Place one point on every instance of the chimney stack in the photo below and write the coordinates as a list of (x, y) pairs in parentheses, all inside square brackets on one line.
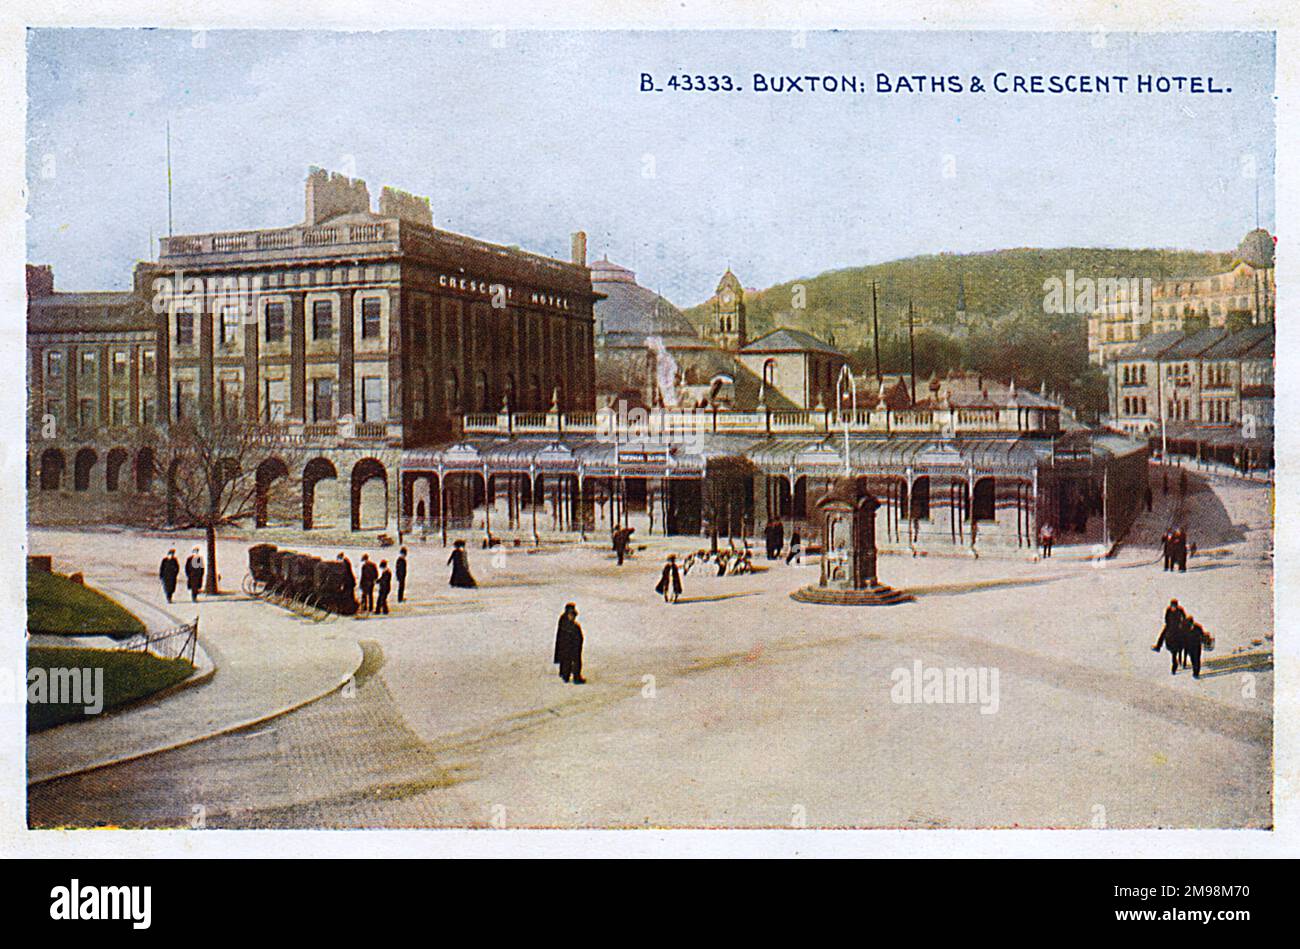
[(579, 255)]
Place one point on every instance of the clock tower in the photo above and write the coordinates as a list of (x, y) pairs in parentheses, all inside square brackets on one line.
[(729, 313)]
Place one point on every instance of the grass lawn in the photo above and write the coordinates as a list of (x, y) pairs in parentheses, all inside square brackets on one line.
[(127, 676), (57, 606)]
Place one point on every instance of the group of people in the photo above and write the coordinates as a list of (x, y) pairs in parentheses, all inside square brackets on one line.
[(1184, 638), (1175, 549), (376, 582), (170, 569), (774, 542)]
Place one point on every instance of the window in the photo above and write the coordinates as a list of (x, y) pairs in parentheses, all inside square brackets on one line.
[(52, 408), (87, 364), (119, 363), (182, 400), (146, 411), (274, 322), (119, 412), (275, 397), (147, 362), (86, 415), (370, 319), (54, 365), (322, 400), (184, 328), (229, 398), (322, 320), (229, 325), (372, 399)]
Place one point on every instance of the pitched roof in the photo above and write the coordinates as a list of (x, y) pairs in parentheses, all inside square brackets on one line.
[(1195, 344), (1153, 345), (100, 311), (787, 340), (1255, 340)]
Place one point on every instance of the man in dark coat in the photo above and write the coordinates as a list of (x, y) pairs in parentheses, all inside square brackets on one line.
[(168, 571), (1167, 548), (1175, 616), (670, 582), (401, 575), (194, 573), (796, 547), (621, 535), (369, 576), (459, 561), (385, 584), (568, 646), (1179, 552)]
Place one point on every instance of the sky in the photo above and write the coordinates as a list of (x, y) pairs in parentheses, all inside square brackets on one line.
[(523, 137)]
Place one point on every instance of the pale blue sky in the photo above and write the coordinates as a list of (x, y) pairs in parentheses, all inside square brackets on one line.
[(521, 138)]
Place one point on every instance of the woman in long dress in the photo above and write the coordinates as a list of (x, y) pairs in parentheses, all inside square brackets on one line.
[(670, 583), (459, 560)]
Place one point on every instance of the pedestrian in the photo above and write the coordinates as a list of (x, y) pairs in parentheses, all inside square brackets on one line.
[(670, 582), (459, 561), (796, 547), (1171, 634), (349, 577), (1182, 484), (168, 571), (369, 576), (401, 575), (385, 585), (1046, 538), (568, 645), (194, 573), (620, 544), (1164, 479), (1180, 550), (1146, 496)]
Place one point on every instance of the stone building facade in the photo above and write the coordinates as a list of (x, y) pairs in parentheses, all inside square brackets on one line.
[(352, 336)]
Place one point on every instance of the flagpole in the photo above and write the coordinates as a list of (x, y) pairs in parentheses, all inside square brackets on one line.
[(169, 178)]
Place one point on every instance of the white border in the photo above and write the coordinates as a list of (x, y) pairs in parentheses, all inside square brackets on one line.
[(1142, 15)]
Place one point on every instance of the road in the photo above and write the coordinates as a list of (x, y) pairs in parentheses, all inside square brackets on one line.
[(741, 708)]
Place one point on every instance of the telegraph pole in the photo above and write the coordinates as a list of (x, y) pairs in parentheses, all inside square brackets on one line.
[(875, 332), (911, 345)]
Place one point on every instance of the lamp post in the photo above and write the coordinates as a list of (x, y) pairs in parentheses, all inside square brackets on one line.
[(841, 394)]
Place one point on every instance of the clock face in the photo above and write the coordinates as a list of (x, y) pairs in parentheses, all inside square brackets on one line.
[(727, 298)]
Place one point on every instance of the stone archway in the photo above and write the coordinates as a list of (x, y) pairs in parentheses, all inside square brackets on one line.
[(52, 467), (369, 495), (268, 472), (321, 505)]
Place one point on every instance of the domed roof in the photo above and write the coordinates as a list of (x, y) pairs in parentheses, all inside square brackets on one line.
[(606, 271), (1256, 249), (630, 312)]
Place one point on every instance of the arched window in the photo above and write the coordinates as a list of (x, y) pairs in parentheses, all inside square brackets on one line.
[(116, 459), (983, 505), (82, 466), (920, 510), (52, 465)]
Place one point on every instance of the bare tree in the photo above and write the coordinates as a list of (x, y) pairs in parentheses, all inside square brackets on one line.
[(213, 478)]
